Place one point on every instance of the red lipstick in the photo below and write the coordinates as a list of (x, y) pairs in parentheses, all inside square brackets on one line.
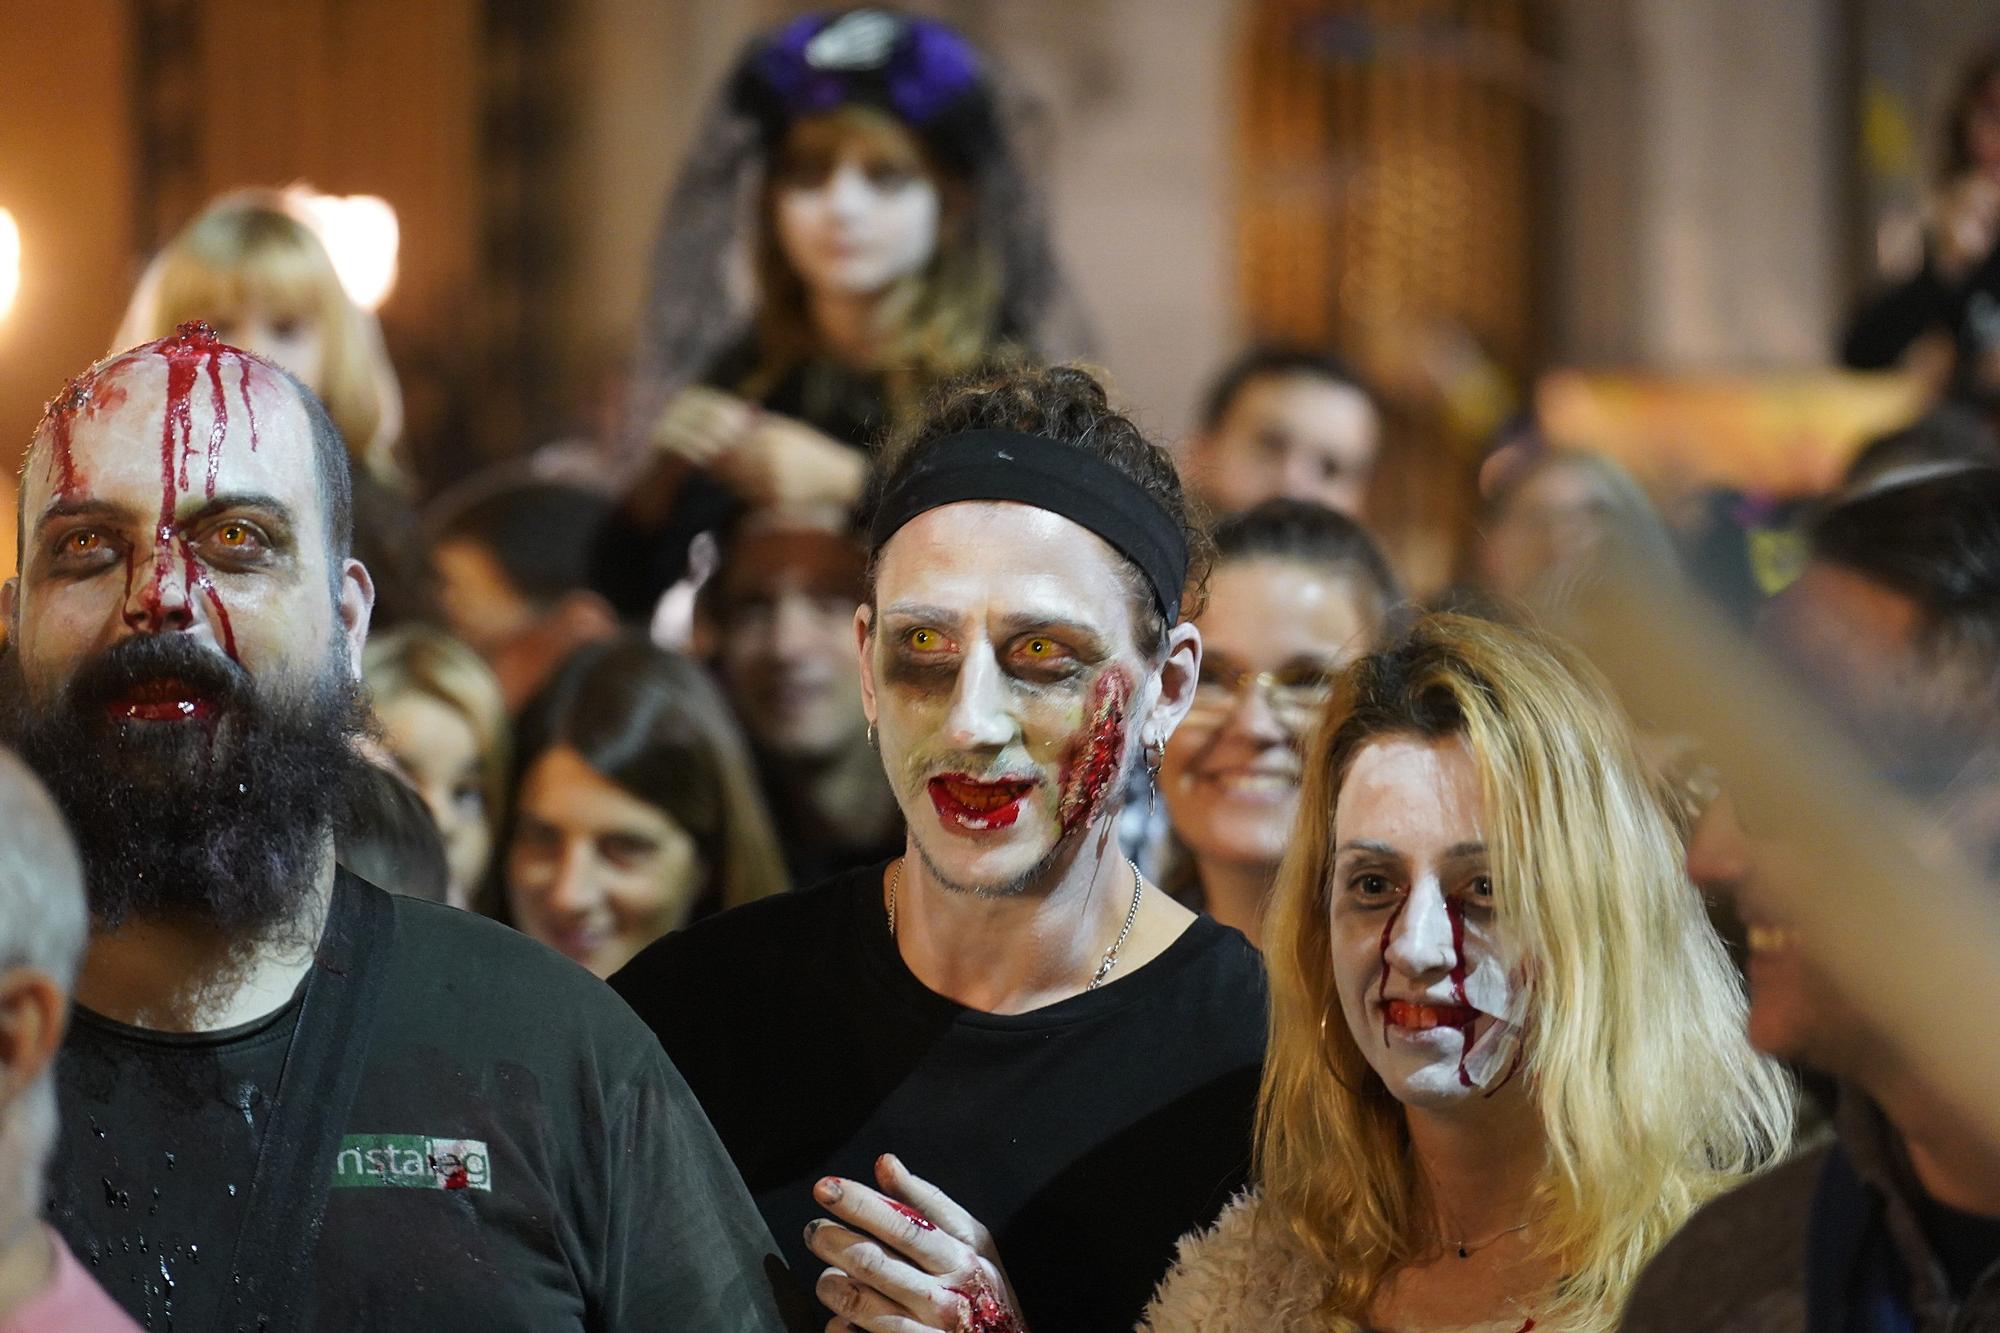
[(1418, 1016), (966, 802), (167, 700)]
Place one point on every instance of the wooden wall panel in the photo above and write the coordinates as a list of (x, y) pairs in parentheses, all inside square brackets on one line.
[(66, 168)]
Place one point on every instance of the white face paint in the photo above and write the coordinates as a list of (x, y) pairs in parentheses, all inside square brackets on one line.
[(1001, 671), (1433, 994), (857, 221)]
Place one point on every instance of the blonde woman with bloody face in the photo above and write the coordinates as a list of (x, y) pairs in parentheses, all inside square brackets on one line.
[(1298, 592), (1506, 1057)]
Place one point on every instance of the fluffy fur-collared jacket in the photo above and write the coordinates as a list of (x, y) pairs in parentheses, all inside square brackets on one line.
[(1233, 1279)]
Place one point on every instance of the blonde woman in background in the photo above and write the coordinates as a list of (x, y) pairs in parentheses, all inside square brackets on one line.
[(252, 268), (444, 724), (1507, 1055)]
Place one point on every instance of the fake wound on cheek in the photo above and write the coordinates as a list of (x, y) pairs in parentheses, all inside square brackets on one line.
[(1095, 763)]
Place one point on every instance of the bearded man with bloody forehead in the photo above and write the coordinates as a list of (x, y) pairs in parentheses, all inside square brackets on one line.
[(290, 1100), (1007, 1007)]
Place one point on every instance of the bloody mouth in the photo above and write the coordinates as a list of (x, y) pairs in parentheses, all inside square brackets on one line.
[(1417, 1017), (970, 803), (168, 699)]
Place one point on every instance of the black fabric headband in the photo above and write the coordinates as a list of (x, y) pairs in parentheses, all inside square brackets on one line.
[(1035, 470)]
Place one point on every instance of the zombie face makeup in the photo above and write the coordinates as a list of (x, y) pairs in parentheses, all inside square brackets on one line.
[(856, 209), (1000, 668), (175, 491), (1431, 992), (180, 633)]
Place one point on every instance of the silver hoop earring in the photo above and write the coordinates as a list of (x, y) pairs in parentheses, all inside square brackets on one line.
[(873, 738), (1156, 754), (1326, 1058)]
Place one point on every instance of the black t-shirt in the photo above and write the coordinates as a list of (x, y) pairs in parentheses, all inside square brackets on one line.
[(1088, 1135), (1967, 1244), (517, 1155)]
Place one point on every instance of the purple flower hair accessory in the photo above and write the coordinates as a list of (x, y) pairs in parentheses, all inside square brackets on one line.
[(918, 68)]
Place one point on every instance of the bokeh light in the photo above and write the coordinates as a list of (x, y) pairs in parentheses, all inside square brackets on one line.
[(361, 235), (10, 261)]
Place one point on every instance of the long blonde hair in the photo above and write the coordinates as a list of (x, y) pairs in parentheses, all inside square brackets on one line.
[(421, 659), (251, 248), (1649, 1095)]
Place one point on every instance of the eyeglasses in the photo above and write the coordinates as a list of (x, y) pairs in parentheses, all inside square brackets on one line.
[(1294, 693)]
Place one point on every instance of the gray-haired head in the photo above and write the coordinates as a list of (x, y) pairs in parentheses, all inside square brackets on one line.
[(42, 916)]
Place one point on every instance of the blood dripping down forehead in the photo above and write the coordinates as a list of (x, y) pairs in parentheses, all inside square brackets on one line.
[(188, 351)]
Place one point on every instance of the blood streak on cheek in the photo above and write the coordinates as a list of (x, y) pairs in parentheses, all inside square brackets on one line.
[(1098, 759), (1382, 991), (1454, 910)]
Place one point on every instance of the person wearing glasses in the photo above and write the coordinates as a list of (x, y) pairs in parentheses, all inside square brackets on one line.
[(1298, 592)]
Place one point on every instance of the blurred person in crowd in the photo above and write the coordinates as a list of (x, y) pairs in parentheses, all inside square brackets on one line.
[(1955, 295), (1948, 435), (253, 270), (445, 726), (1506, 1055), (1286, 422), (779, 618), (406, 584), (513, 559), (272, 1065), (1554, 518), (1298, 592), (894, 240), (1008, 1006), (636, 810), (43, 1288), (385, 834), (1895, 628)]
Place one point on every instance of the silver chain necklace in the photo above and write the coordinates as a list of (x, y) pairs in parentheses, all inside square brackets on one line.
[(1110, 955)]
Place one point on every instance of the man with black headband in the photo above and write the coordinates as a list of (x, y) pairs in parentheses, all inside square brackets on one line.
[(289, 1100), (1008, 1007)]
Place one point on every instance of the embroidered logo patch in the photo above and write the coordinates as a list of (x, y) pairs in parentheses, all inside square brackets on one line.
[(412, 1161)]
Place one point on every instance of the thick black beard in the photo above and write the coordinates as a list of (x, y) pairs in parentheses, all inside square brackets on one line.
[(223, 823)]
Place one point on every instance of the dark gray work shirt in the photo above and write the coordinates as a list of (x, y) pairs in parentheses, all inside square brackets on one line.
[(1741, 1264)]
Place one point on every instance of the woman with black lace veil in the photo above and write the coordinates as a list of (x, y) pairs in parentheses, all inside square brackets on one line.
[(851, 227)]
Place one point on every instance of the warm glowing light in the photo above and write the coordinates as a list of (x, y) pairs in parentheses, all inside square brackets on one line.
[(10, 262), (361, 235)]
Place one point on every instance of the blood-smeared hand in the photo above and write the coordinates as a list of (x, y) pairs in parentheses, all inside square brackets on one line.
[(907, 1257)]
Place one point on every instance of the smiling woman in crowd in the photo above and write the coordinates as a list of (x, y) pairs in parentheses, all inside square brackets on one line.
[(1298, 592), (1507, 1056), (635, 810)]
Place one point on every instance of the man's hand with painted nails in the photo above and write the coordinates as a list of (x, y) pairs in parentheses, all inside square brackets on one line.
[(906, 1257)]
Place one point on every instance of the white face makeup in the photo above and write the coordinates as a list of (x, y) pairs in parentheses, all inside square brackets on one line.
[(1431, 993), (858, 225), (1002, 674)]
